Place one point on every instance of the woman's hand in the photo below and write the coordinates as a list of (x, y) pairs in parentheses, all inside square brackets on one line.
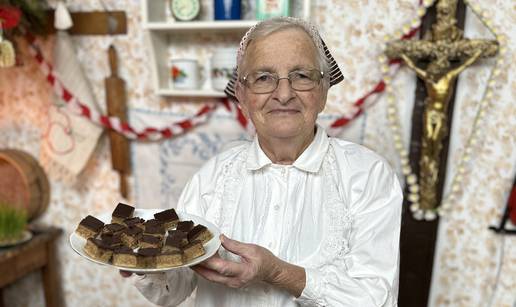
[(258, 264)]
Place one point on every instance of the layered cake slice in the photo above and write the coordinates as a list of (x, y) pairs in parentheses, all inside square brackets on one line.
[(111, 240), (122, 212), (193, 250), (89, 227), (157, 232), (156, 224), (178, 238), (124, 256), (131, 236), (201, 233), (168, 217), (113, 228), (175, 241), (134, 221), (169, 259), (150, 242), (185, 226), (147, 257), (98, 250)]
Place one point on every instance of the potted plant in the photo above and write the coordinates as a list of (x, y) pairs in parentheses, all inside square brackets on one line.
[(13, 222)]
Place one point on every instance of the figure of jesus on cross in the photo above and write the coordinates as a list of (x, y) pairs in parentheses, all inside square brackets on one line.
[(448, 54)]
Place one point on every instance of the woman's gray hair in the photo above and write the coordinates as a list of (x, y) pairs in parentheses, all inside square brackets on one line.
[(328, 65), (270, 26)]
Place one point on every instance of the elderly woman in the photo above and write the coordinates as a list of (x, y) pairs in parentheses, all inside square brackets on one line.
[(307, 219)]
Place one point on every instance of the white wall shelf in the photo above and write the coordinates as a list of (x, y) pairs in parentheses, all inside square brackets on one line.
[(201, 25), (164, 34)]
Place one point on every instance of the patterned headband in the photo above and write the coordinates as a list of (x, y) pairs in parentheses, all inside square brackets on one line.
[(334, 72)]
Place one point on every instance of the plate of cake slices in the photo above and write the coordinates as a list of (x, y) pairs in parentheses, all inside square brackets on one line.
[(145, 240)]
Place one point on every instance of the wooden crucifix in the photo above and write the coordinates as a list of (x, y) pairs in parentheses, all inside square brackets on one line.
[(446, 54)]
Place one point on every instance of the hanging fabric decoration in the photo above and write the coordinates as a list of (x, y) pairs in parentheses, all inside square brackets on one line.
[(9, 18), (70, 139), (62, 18), (7, 54)]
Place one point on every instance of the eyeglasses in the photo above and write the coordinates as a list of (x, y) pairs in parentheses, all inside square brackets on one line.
[(261, 82)]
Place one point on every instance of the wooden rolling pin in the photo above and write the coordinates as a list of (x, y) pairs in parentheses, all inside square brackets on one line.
[(116, 106)]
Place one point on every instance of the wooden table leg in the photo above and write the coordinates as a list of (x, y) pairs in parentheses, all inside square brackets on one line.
[(49, 276)]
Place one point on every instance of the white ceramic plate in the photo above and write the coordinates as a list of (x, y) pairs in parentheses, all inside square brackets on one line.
[(26, 236), (211, 247)]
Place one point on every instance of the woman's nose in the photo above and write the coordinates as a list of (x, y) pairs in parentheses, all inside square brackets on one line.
[(284, 91)]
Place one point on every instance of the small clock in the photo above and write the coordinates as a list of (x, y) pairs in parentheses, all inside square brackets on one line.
[(185, 10)]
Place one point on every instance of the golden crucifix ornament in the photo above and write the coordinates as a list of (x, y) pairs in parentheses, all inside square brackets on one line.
[(448, 54)]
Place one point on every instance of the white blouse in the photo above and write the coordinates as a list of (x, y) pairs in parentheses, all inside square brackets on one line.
[(336, 212)]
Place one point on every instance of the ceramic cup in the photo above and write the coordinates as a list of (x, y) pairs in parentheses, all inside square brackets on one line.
[(184, 74), (223, 63)]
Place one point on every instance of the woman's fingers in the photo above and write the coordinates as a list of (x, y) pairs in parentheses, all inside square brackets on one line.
[(215, 276), (234, 246), (222, 266), (257, 264), (128, 274), (125, 274)]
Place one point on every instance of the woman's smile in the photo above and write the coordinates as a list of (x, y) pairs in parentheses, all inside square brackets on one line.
[(282, 112)]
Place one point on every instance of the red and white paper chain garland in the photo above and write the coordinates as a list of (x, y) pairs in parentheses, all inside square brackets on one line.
[(154, 134)]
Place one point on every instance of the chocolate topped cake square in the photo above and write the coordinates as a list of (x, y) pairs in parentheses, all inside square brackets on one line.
[(147, 241), (122, 212), (147, 257), (193, 250), (113, 228), (131, 235), (169, 259), (199, 232), (134, 221), (168, 217), (98, 249), (156, 231), (154, 224), (124, 256), (177, 238), (89, 227), (185, 226), (112, 240)]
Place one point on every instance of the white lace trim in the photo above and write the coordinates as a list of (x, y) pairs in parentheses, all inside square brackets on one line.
[(337, 216)]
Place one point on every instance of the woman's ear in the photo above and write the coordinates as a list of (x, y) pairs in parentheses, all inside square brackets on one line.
[(324, 97), (242, 101)]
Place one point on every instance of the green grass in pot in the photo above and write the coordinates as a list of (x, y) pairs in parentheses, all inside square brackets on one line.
[(12, 222)]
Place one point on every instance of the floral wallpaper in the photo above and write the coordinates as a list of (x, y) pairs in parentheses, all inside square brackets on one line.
[(468, 255)]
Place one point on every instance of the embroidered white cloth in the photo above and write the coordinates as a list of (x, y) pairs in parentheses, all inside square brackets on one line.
[(336, 211), (70, 139)]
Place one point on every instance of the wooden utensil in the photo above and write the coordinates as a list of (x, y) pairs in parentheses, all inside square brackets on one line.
[(116, 106)]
